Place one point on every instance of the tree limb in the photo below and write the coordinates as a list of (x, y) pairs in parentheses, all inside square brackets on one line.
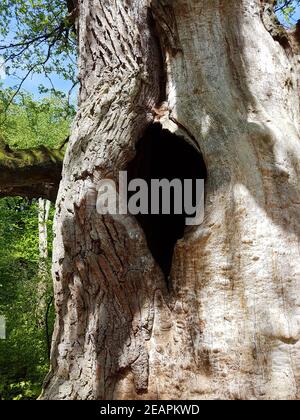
[(30, 173)]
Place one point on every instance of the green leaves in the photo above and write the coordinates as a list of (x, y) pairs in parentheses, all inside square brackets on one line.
[(24, 354), (30, 123), (36, 37), (287, 9)]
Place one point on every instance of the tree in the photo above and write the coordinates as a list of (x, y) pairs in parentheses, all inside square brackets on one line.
[(224, 76), (44, 207), (221, 319)]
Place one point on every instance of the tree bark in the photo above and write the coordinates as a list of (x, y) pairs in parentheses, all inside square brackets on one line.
[(228, 324)]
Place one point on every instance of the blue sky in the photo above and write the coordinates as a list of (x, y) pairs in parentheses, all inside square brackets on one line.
[(294, 18), (32, 83)]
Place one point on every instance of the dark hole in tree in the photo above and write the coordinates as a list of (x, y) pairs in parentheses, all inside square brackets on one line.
[(163, 155)]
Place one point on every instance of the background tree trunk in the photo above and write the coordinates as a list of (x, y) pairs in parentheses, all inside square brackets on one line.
[(228, 325), (43, 272)]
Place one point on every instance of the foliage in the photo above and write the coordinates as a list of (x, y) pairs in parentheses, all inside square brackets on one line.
[(30, 123), (37, 36), (287, 9), (24, 354)]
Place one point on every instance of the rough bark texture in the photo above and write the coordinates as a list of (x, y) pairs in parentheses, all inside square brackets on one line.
[(30, 173), (229, 326)]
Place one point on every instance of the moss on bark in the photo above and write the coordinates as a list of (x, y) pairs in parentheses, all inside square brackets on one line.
[(32, 172)]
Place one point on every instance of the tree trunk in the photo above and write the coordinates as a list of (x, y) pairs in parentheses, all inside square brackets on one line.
[(227, 324), (43, 272)]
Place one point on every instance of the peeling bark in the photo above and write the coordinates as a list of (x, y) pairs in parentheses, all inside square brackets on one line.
[(229, 326)]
